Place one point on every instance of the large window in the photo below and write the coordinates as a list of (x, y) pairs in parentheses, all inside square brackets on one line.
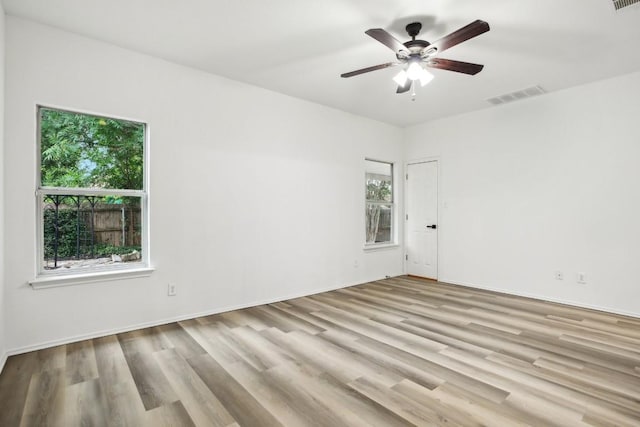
[(91, 194), (379, 215)]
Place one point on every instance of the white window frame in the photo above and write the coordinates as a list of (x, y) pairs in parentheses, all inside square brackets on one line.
[(393, 234), (47, 278)]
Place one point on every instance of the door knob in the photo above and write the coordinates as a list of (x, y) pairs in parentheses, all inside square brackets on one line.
[(432, 226)]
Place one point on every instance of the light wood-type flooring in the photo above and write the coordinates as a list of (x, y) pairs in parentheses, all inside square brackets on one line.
[(395, 352)]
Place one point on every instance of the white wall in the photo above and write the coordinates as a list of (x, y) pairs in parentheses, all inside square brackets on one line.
[(2, 303), (255, 196), (545, 184)]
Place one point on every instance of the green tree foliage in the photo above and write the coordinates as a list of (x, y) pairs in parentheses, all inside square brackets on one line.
[(68, 224), (378, 189), (79, 150)]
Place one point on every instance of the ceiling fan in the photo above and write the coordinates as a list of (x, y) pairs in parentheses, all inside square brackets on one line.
[(416, 54)]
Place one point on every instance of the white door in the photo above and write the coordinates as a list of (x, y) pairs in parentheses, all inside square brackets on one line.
[(422, 219)]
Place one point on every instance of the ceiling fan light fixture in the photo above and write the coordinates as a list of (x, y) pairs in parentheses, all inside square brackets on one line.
[(401, 78), (414, 71), (425, 77)]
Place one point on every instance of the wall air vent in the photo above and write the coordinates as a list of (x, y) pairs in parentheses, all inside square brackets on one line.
[(517, 95), (619, 4)]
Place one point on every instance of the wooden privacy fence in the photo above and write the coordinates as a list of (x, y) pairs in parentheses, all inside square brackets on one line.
[(115, 225)]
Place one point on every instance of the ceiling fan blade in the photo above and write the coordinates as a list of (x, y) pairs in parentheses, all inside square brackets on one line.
[(368, 69), (386, 39), (457, 66), (465, 33), (405, 88)]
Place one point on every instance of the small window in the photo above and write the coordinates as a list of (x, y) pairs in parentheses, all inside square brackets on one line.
[(380, 208), (91, 194)]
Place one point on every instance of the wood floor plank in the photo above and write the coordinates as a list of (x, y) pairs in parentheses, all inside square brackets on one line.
[(227, 348), (442, 369), (486, 410), (394, 352), (266, 352), (242, 406), (181, 340), (201, 404), (169, 415), (86, 405), (520, 376), (80, 362), (125, 407), (52, 358), (271, 396), (143, 341), (353, 407), (388, 361), (45, 403), (311, 395), (14, 386), (244, 318), (285, 321), (448, 415), (152, 385), (239, 347), (410, 410), (380, 331), (327, 357)]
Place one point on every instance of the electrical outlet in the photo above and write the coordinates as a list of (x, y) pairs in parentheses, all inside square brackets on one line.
[(582, 278), (559, 275), (171, 290)]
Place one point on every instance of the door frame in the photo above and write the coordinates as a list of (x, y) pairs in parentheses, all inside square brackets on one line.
[(428, 159)]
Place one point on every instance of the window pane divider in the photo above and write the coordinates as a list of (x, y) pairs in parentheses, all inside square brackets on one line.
[(69, 191)]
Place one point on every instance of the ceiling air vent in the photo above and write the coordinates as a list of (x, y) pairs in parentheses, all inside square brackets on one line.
[(619, 4), (517, 95)]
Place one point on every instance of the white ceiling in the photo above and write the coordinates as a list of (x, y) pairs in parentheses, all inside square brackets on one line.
[(300, 47)]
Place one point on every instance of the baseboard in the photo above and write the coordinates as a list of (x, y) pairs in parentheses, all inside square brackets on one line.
[(150, 324), (544, 298)]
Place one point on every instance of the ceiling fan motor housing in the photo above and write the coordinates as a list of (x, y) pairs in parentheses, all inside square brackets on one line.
[(413, 29), (415, 47)]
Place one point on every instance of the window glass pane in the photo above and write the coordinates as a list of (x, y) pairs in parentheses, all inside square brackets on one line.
[(83, 232), (84, 151), (379, 202), (378, 221), (379, 183)]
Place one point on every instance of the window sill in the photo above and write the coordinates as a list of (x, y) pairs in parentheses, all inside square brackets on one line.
[(380, 247), (54, 281)]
